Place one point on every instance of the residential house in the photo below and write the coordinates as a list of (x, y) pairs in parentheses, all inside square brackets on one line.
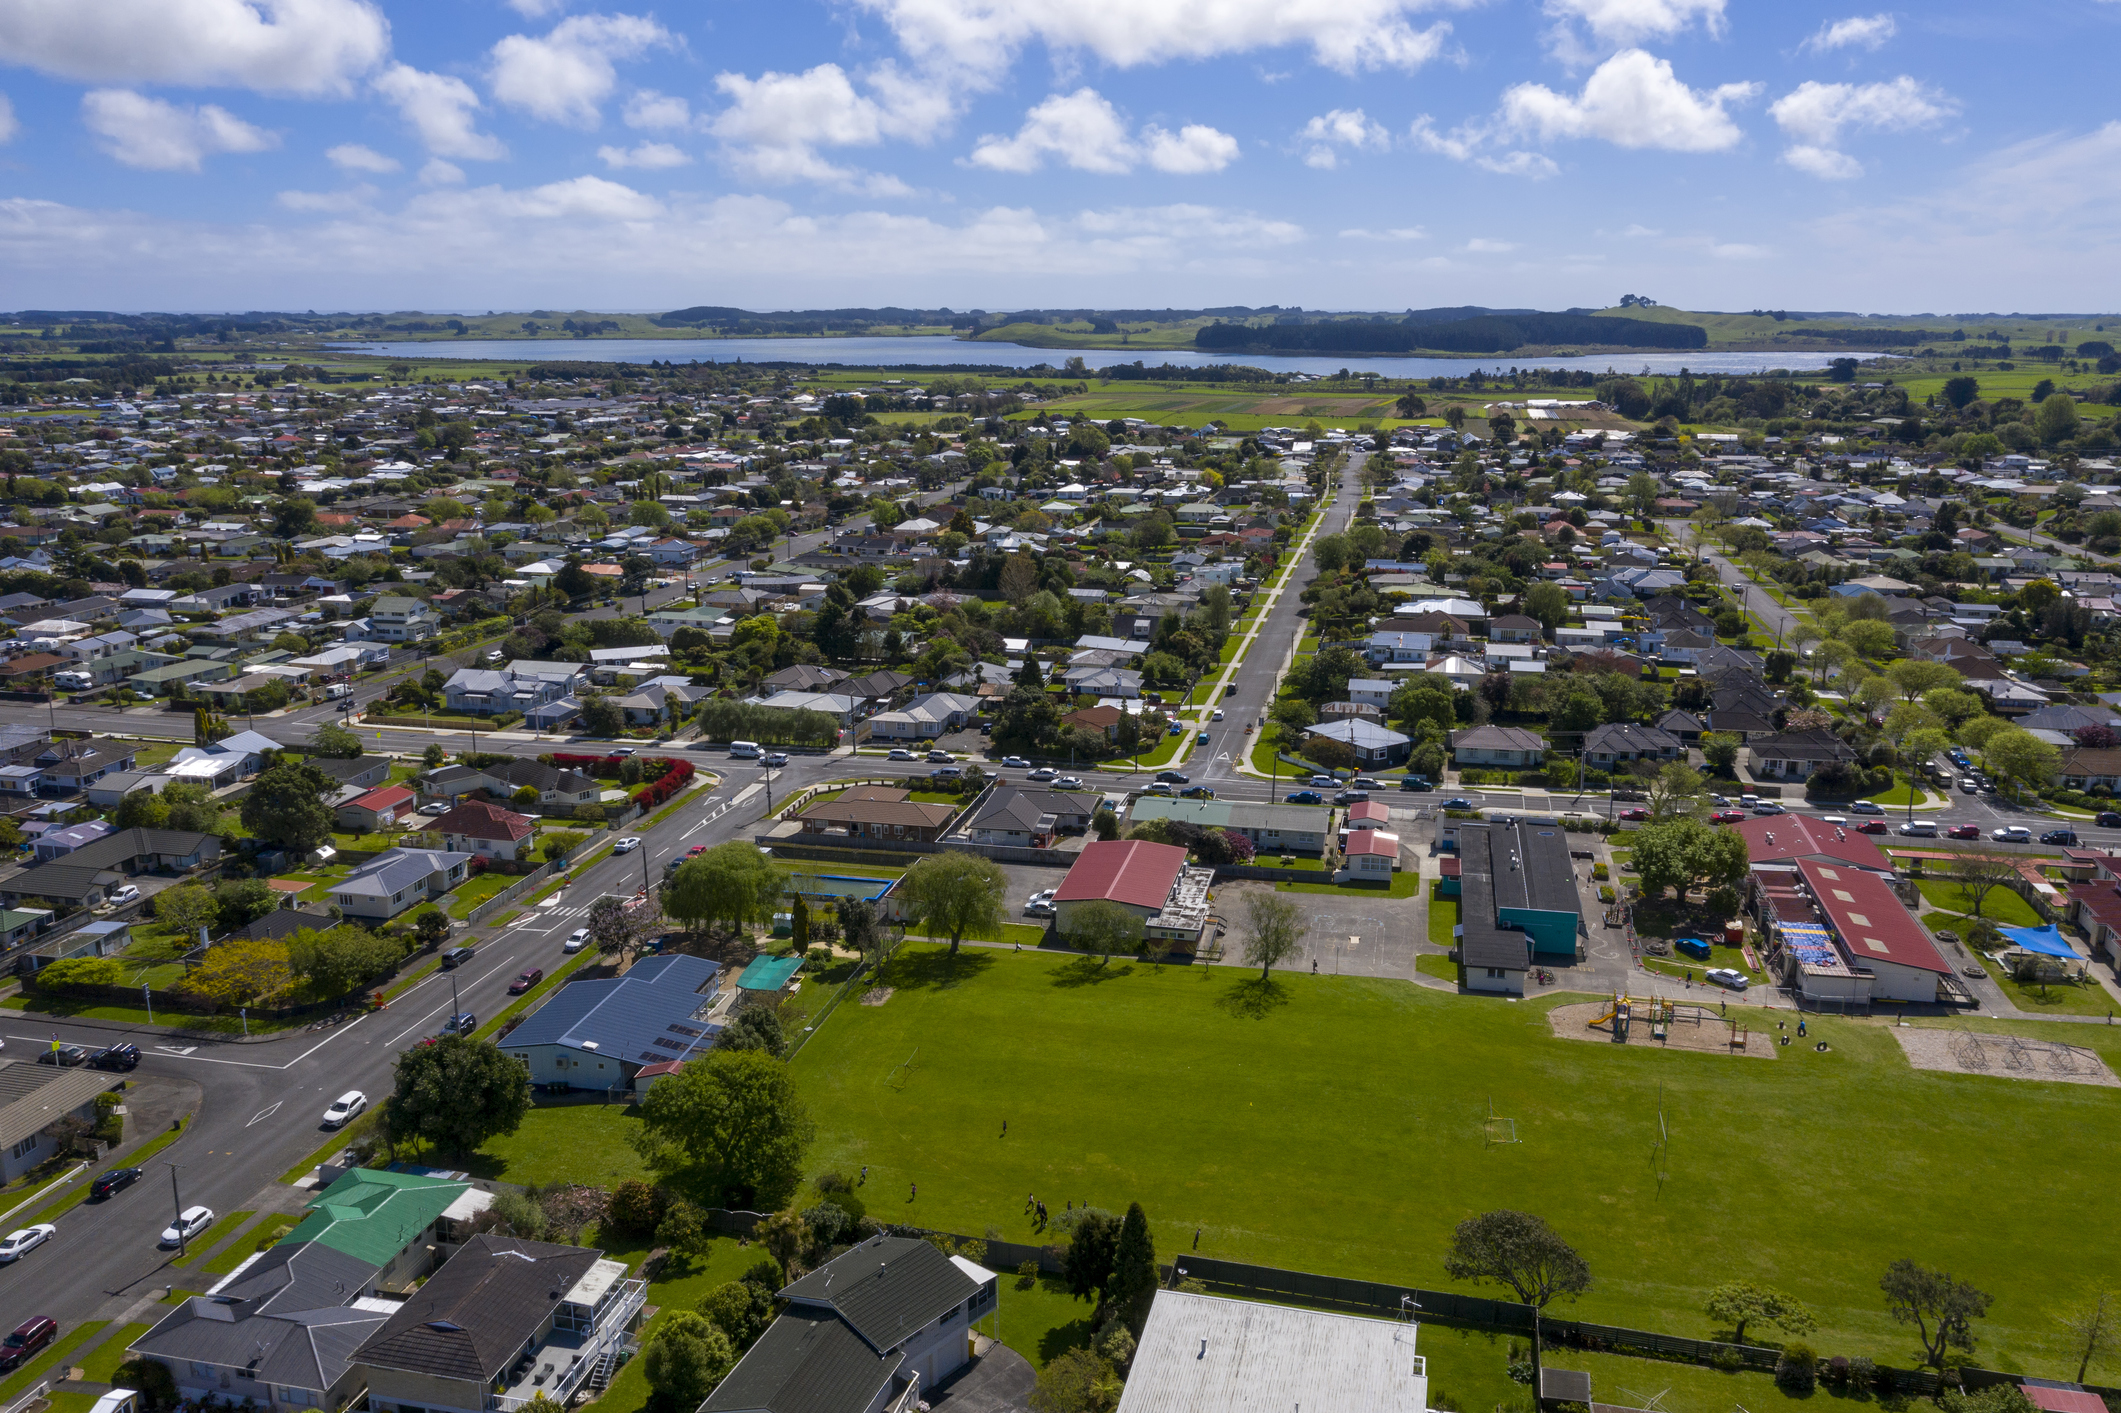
[(1795, 755), (1516, 628), (870, 1331), (1396, 646), (398, 879), (1616, 743), (71, 765), (1030, 818), (597, 1034), (520, 686), (1509, 746), (32, 1098), (877, 812), (364, 771), (1272, 828), (925, 718), (57, 843), (1373, 745), (485, 830)]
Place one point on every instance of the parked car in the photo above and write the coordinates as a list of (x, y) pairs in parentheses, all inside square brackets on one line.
[(1201, 739), (774, 760), (1043, 773), (456, 957), (1352, 797), (123, 894), (2108, 819), (462, 1023), (1172, 777), (29, 1337), (1458, 803), (437, 808), (1969, 787), (901, 753), (1638, 813), (1769, 807), (1839, 821), (2065, 837), (1963, 831), (576, 940), (1304, 797), (527, 980), (1866, 807), (941, 757), (1216, 715), (2012, 834), (112, 1182), (626, 845), (1197, 792), (123, 1057), (947, 772), (622, 750), (1727, 816), (1069, 782), (1414, 784), (1325, 782), (1920, 829), (17, 1244), (1724, 976), (1364, 782), (190, 1222), (1873, 826), (1039, 907), (64, 1056), (1159, 788), (1016, 762), (348, 1106)]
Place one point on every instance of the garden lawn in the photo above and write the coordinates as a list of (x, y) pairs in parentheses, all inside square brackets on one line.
[(1687, 1388), (199, 1244), (1403, 885), (100, 1365), (685, 1282), (474, 891), (1318, 1085), (1443, 919), (2001, 906), (1429, 964), (570, 1142)]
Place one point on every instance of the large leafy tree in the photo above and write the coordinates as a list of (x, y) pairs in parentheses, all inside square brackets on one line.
[(1103, 927), (457, 1093), (955, 894), (1274, 931), (337, 960), (242, 972), (286, 807), (1520, 1251), (1941, 1308), (734, 1114), (1133, 1280), (1739, 1303), (1685, 853), (732, 883), (684, 1361), (2018, 757), (1093, 1249), (335, 740)]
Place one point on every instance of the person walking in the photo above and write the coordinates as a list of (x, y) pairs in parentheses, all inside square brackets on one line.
[(913, 1191)]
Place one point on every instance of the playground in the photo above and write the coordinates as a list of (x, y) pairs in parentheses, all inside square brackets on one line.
[(1963, 1051), (1660, 1023)]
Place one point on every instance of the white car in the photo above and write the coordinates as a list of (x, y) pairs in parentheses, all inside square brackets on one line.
[(347, 1106), (577, 940), (1043, 773), (901, 753), (1217, 715), (1016, 762), (28, 1239), (190, 1222), (1069, 782), (626, 845), (124, 894), (1725, 976), (2012, 834), (1837, 820)]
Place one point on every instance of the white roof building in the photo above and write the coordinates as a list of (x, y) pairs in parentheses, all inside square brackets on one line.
[(1207, 1354)]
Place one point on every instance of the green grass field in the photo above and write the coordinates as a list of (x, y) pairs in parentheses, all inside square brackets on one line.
[(2001, 906), (1235, 1108)]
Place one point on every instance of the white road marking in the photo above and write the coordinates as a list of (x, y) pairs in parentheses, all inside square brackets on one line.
[(265, 1113), (176, 1049)]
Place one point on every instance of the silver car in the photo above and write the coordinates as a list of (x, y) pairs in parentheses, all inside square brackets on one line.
[(1724, 976)]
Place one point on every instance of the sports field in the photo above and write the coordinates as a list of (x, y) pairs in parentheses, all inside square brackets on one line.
[(1335, 1124)]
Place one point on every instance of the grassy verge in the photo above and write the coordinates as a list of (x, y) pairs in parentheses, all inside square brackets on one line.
[(2001, 906), (1403, 885), (330, 1147), (475, 891), (1429, 964), (100, 1365), (1443, 919), (244, 1247), (134, 1015), (699, 781), (30, 1192), (197, 1247), (1022, 934), (37, 1368)]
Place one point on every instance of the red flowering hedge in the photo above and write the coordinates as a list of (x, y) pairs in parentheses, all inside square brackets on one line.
[(675, 777)]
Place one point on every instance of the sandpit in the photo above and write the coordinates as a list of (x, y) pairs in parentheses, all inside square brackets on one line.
[(1710, 1036), (2004, 1056)]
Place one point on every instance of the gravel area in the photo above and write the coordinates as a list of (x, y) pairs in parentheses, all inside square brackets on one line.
[(2005, 1056), (1710, 1037)]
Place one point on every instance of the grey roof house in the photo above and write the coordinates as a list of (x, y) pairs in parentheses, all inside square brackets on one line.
[(398, 879), (598, 1034)]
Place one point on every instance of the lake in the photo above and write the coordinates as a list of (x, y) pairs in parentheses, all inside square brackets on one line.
[(934, 351)]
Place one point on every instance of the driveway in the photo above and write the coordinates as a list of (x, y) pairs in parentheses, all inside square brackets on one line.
[(999, 1381)]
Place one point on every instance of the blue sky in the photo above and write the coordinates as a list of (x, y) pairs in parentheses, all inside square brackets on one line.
[(507, 154)]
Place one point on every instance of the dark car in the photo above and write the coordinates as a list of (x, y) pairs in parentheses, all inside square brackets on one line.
[(456, 957), (1172, 777), (1230, 690), (116, 1180), (120, 1057), (462, 1023), (1352, 797), (1459, 804), (65, 1056), (1197, 792), (2066, 837), (1415, 783), (1304, 797), (2108, 820), (527, 980), (1634, 815), (1872, 826), (29, 1337)]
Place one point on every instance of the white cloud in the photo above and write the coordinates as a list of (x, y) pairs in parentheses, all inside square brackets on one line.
[(1858, 31), (648, 156), (1480, 245), (166, 137), (353, 157), (979, 38), (591, 198), (440, 173), (8, 126), (564, 76), (1083, 130), (1631, 100), (775, 123), (1535, 165), (657, 111), (1342, 127), (1464, 142), (536, 9), (1399, 233), (353, 199), (1814, 114), (440, 109), (1626, 22), (272, 46)]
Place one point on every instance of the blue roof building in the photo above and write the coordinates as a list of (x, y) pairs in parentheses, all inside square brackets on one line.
[(599, 1034)]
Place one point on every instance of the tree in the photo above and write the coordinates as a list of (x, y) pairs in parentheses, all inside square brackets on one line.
[(286, 807), (1913, 676), (1549, 603), (1941, 1309), (1739, 1304), (559, 843), (1133, 1281), (2092, 1331), (736, 1115), (683, 1229), (241, 900), (602, 716), (636, 1207), (1979, 876), (151, 1379), (1676, 789), (336, 742), (1092, 1250), (432, 928), (1274, 931), (1961, 391), (457, 1093), (435, 756), (1868, 636), (740, 1309), (337, 960), (1520, 1251), (954, 894), (1720, 748), (858, 925), (1102, 928), (618, 929), (684, 1361), (2016, 756), (241, 972), (1079, 1381), (142, 809), (732, 882), (191, 806), (2057, 419), (186, 908), (1686, 853), (754, 1028)]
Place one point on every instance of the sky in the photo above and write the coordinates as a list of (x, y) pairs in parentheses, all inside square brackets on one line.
[(995, 154)]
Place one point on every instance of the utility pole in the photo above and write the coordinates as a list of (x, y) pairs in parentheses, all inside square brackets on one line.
[(176, 1197)]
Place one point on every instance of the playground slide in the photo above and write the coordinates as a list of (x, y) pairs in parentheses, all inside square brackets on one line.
[(1601, 1019)]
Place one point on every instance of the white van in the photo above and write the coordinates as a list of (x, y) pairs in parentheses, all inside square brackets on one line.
[(337, 690), (744, 750), (1920, 829), (73, 681)]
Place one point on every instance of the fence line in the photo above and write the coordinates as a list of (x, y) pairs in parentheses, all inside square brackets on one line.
[(512, 892)]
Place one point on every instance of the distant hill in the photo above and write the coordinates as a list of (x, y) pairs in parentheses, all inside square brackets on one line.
[(1486, 332)]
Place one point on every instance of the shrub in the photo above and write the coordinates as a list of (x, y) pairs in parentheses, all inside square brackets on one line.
[(637, 1207), (1027, 1275), (151, 1378), (1728, 1360), (1798, 1368)]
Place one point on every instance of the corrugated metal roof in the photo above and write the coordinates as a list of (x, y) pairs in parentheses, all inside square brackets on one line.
[(804, 1364), (641, 1017), (472, 1317), (373, 1215), (888, 1288), (1132, 871), (1205, 1354)]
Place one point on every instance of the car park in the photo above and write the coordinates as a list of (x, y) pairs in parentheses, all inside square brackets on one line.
[(1304, 797), (1968, 787), (113, 1182), (901, 753), (462, 1023), (28, 1337), (347, 1107), (1963, 831), (1043, 774), (1725, 976), (576, 940), (1016, 762), (1172, 777), (17, 1244), (626, 845), (1635, 814), (2012, 834), (189, 1223), (122, 1057), (64, 1056), (1197, 792), (2065, 837), (527, 980), (1873, 826), (456, 957)]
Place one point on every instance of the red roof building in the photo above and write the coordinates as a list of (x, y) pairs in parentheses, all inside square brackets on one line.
[(1134, 873), (1369, 814), (1785, 838), (476, 827), (2063, 1400), (2096, 907), (367, 813), (1876, 933)]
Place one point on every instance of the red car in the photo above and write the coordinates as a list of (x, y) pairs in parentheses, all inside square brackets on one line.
[(1963, 831), (1634, 814), (1871, 826), (527, 980), (1727, 817)]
